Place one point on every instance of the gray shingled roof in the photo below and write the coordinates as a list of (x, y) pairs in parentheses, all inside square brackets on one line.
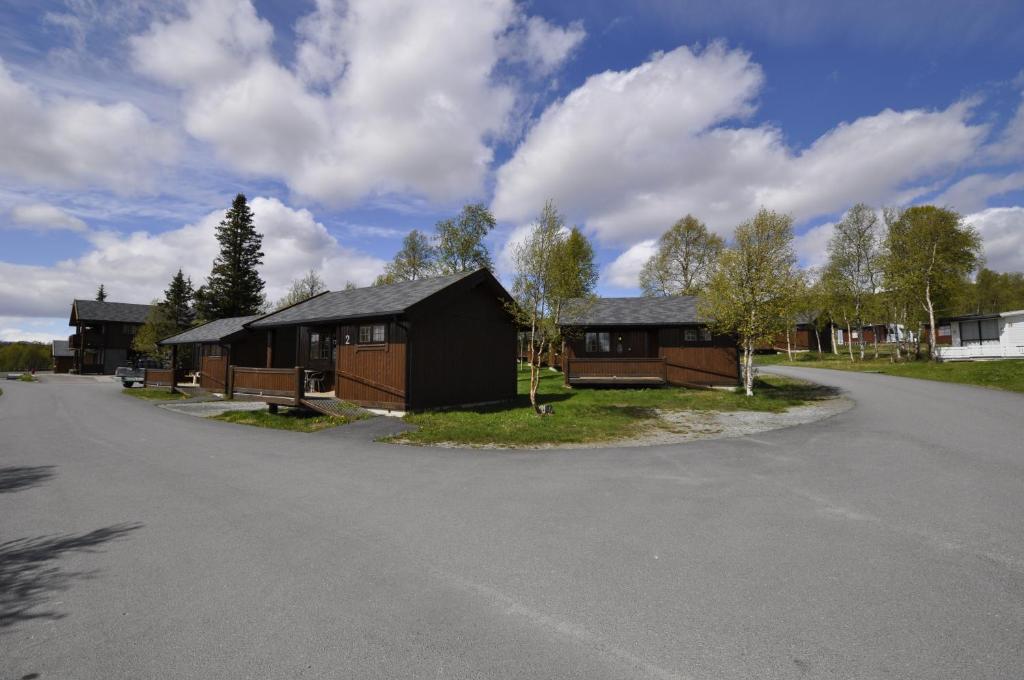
[(214, 331), (61, 349), (361, 302), (631, 311), (121, 312)]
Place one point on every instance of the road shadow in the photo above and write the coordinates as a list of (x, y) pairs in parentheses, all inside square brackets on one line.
[(16, 478), (30, 572)]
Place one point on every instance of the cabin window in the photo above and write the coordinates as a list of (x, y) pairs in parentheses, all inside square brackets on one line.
[(373, 333), (690, 335), (945, 331), (972, 332), (599, 342), (705, 334)]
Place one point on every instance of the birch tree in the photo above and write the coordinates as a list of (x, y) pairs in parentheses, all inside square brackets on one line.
[(930, 252), (535, 287), (750, 293), (853, 254), (685, 259), (573, 276), (416, 259)]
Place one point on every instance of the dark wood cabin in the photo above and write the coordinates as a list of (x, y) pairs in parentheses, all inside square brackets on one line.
[(802, 338), (63, 357), (644, 341), (432, 343), (103, 334), (219, 344)]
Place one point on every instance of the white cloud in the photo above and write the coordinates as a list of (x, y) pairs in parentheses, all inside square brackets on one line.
[(384, 98), (1003, 232), (631, 151), (44, 217), (624, 271), (972, 193), (136, 267), (541, 45), (1010, 144), (812, 245), (73, 142), (18, 329)]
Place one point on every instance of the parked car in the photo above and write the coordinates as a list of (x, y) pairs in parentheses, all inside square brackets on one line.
[(135, 372)]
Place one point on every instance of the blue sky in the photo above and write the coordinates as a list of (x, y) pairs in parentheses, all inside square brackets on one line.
[(130, 125)]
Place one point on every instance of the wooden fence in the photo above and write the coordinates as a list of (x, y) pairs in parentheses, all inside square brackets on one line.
[(279, 384), (159, 377), (616, 369)]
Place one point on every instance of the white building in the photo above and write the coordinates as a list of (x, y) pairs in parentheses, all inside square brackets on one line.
[(984, 336)]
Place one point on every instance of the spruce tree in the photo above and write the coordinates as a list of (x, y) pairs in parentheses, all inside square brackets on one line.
[(234, 287), (101, 294), (178, 301)]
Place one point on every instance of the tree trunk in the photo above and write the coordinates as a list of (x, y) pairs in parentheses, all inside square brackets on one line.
[(534, 366), (817, 336), (849, 339), (876, 343), (860, 344), (931, 322), (835, 339), (748, 368), (789, 346)]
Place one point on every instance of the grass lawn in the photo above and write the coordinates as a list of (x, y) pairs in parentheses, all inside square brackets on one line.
[(153, 393), (1004, 374), (591, 414), (27, 377), (296, 420)]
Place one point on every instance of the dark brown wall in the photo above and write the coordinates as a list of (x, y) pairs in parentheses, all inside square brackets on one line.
[(62, 364), (284, 347), (695, 362), (371, 374), (701, 362), (636, 342), (462, 349)]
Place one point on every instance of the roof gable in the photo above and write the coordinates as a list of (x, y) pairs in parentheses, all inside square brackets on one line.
[(631, 311)]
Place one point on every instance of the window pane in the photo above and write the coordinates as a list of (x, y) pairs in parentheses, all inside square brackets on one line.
[(365, 334), (990, 329), (969, 331), (690, 335), (606, 341), (591, 342), (705, 334), (378, 333)]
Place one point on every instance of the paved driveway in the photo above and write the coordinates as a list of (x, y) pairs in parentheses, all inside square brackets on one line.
[(887, 541)]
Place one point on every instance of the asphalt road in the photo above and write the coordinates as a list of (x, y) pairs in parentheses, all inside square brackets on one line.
[(886, 542)]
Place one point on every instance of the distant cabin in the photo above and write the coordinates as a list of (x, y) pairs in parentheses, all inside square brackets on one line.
[(63, 357), (436, 342), (219, 344), (644, 341), (103, 335), (983, 336)]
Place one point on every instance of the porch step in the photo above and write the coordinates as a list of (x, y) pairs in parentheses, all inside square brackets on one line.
[(329, 406)]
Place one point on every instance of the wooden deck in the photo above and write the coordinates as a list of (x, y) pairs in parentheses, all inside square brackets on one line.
[(616, 371)]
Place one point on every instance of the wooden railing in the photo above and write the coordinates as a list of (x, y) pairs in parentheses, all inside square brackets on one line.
[(159, 377), (284, 383), (616, 368)]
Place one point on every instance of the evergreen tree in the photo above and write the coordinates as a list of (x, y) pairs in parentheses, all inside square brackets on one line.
[(234, 287), (177, 302), (101, 294)]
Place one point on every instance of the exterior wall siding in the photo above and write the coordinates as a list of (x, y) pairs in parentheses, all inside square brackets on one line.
[(371, 374)]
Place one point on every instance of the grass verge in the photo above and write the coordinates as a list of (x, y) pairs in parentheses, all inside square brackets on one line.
[(293, 419), (27, 377), (592, 414), (1003, 374), (153, 393)]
